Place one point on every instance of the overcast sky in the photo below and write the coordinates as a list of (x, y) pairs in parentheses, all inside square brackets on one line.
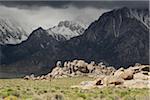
[(32, 14), (79, 3)]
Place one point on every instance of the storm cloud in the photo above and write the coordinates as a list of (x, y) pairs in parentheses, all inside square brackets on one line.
[(46, 14), (79, 3)]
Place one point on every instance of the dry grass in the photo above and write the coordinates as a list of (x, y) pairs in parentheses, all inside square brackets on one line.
[(59, 89)]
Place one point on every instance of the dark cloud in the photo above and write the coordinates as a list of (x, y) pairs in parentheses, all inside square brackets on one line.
[(80, 4)]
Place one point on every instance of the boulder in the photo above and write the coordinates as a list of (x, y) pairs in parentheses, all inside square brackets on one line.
[(97, 71), (119, 72), (75, 61), (59, 64), (27, 77), (108, 80), (103, 66), (141, 76), (42, 77), (140, 68), (145, 68), (38, 78), (75, 68), (56, 71), (81, 63), (99, 80), (100, 64), (83, 69), (125, 74), (136, 69), (65, 64), (137, 64), (32, 77), (145, 72), (92, 63), (69, 64), (90, 67), (111, 68), (49, 75)]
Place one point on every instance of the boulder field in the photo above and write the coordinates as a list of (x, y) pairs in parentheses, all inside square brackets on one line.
[(137, 76), (132, 77), (76, 68)]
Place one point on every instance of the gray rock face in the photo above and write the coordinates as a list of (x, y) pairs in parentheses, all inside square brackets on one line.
[(118, 37)]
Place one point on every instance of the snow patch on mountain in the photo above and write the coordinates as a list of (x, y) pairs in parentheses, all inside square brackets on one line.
[(11, 32), (67, 29)]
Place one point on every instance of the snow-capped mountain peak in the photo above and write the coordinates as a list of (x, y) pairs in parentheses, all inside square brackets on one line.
[(66, 29)]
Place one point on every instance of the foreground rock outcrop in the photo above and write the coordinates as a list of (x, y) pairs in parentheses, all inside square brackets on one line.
[(132, 77), (137, 76), (75, 68), (80, 67)]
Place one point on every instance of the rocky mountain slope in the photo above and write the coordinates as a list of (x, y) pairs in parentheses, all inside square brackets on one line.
[(32, 55), (11, 32), (119, 38), (38, 41)]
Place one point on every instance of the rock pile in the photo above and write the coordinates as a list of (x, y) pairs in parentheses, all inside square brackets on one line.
[(132, 77), (80, 67), (75, 68)]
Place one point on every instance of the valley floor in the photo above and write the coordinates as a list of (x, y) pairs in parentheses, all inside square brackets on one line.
[(59, 89)]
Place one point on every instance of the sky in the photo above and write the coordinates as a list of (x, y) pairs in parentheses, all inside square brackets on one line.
[(46, 14)]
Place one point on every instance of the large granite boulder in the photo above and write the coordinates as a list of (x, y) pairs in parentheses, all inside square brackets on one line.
[(125, 74), (141, 76), (108, 80)]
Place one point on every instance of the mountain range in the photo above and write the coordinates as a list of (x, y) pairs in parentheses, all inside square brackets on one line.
[(119, 38)]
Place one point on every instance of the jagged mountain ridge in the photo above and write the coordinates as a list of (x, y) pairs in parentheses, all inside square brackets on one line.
[(32, 55), (38, 40), (116, 40), (66, 30), (12, 32), (117, 37), (118, 16)]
